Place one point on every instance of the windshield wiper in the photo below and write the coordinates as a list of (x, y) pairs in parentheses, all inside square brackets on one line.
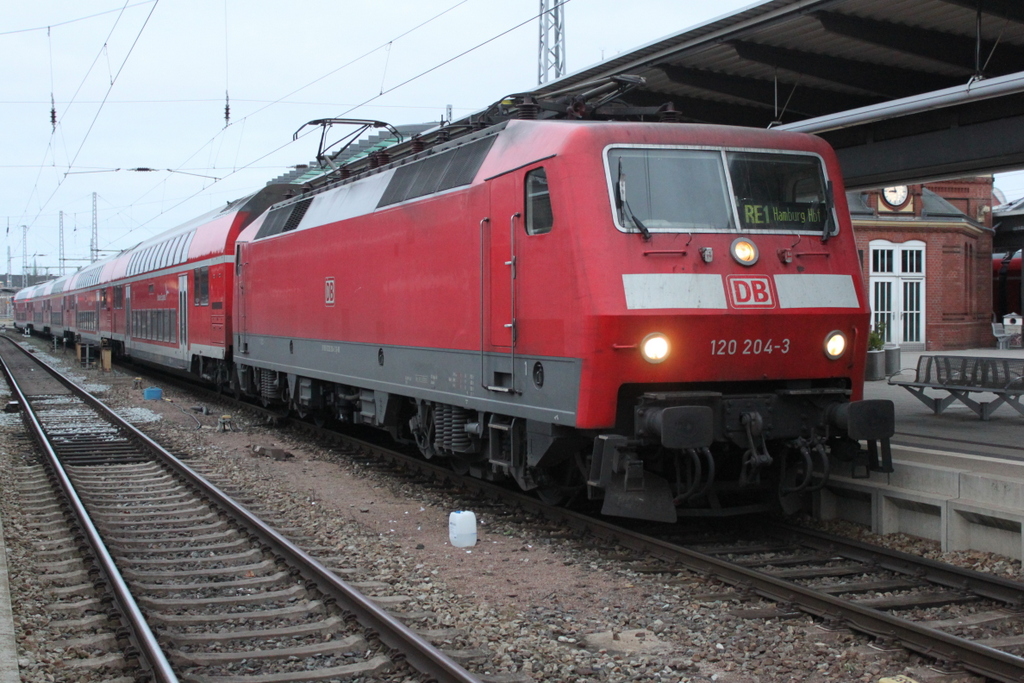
[(829, 202), (623, 206)]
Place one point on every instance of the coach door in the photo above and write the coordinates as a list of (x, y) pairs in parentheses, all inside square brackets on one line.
[(498, 282), (128, 321), (183, 317)]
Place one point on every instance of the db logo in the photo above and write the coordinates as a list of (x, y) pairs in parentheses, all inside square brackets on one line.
[(329, 291), (750, 291)]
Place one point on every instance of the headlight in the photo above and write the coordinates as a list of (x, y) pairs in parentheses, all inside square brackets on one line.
[(835, 344), (744, 251), (655, 347)]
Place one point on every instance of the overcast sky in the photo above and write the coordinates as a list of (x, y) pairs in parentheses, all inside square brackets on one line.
[(142, 84)]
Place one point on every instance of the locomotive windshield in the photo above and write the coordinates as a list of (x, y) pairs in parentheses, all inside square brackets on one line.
[(684, 190)]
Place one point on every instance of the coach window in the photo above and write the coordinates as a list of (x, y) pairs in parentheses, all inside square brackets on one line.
[(538, 203), (202, 286), (119, 297)]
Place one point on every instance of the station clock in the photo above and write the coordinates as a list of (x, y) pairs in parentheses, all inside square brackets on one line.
[(895, 196)]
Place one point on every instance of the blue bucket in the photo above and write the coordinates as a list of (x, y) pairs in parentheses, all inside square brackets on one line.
[(153, 393)]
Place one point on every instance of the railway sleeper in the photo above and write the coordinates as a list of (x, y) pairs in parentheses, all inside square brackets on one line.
[(341, 646)]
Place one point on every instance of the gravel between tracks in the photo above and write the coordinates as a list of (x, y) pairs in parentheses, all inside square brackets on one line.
[(553, 607)]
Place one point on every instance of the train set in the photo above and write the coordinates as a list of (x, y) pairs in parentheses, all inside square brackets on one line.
[(668, 318)]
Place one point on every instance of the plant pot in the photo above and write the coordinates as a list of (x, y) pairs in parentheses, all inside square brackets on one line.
[(875, 368), (892, 359)]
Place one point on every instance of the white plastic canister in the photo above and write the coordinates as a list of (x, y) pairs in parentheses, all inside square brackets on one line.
[(462, 528)]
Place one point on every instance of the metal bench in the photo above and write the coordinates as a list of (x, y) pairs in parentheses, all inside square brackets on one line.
[(964, 375)]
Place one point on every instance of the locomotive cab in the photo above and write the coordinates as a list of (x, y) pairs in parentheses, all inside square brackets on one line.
[(736, 353)]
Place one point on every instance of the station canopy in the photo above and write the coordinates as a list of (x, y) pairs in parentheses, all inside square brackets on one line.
[(905, 90)]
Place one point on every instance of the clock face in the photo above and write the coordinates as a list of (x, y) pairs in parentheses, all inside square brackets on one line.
[(894, 196)]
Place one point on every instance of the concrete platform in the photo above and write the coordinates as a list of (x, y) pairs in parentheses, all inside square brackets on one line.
[(958, 480)]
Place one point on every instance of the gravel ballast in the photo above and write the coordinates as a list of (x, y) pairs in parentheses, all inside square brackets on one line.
[(545, 603)]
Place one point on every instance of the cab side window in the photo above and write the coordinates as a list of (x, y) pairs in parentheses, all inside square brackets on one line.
[(539, 219)]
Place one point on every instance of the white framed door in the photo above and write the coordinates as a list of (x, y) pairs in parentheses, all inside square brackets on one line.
[(897, 281)]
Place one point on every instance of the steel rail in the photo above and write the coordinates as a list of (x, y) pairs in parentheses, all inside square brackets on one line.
[(418, 652), (986, 585), (929, 642), (981, 659), (140, 633)]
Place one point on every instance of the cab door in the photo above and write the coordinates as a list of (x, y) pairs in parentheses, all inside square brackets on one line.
[(498, 282), (500, 260), (520, 207), (241, 319)]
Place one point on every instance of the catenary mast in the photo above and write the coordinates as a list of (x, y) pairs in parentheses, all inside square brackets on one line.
[(551, 53)]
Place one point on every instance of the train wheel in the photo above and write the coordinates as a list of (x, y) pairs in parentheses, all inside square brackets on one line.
[(552, 495), (557, 485), (459, 465), (423, 431)]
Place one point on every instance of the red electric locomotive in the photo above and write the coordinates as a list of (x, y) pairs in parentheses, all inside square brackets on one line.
[(667, 317)]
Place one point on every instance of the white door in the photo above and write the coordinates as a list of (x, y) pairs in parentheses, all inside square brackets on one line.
[(882, 313), (912, 313), (898, 292)]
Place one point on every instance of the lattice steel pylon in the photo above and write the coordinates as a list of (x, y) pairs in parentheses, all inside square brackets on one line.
[(551, 53)]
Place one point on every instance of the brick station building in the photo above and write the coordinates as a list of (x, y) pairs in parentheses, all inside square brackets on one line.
[(926, 254)]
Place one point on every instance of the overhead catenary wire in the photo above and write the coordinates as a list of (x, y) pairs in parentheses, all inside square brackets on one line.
[(50, 146), (279, 100), (73, 21), (362, 104), (451, 59), (240, 165), (236, 168), (113, 80)]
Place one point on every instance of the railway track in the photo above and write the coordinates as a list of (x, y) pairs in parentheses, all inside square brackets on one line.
[(205, 591), (961, 620), (964, 620)]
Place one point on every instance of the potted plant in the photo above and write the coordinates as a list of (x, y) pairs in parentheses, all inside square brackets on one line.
[(875, 368)]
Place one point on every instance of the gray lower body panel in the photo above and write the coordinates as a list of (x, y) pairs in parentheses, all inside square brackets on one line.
[(535, 387), (159, 359)]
